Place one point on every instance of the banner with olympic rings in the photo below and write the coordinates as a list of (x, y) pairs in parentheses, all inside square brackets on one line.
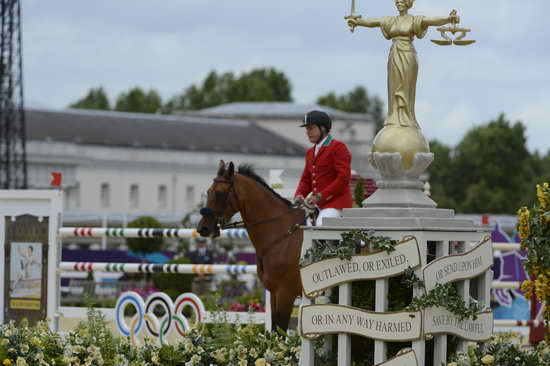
[(155, 326)]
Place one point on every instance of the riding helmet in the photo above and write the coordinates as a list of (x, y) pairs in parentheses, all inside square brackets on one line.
[(318, 118)]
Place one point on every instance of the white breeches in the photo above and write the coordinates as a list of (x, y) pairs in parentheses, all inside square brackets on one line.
[(325, 213)]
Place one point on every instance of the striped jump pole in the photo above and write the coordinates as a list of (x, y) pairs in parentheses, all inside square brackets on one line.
[(98, 232), (156, 268), (519, 323)]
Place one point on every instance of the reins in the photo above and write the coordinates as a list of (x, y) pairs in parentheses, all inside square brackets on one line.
[(241, 224)]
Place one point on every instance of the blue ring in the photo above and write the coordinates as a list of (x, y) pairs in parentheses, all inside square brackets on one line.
[(138, 308)]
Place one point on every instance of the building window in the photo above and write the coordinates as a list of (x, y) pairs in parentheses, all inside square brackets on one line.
[(105, 195), (134, 196), (163, 196), (72, 197), (190, 197)]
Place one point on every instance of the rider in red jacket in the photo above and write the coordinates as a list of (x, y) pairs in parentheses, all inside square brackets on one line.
[(326, 176)]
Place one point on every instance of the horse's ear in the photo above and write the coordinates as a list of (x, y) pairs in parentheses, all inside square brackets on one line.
[(231, 170), (221, 168)]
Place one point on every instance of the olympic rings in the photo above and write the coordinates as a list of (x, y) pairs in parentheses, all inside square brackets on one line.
[(145, 313)]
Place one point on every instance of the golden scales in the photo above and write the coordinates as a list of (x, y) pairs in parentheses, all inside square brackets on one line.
[(453, 29)]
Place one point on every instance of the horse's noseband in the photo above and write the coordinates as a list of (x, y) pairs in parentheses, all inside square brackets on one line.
[(221, 197), (206, 211)]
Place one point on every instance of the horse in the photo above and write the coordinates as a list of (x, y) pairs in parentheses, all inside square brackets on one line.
[(273, 226)]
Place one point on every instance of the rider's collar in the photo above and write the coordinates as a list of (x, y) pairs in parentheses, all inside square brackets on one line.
[(325, 141)]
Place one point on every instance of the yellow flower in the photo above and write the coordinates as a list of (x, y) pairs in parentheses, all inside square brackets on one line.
[(452, 364), (523, 223), (488, 360), (6, 362), (542, 195), (528, 288)]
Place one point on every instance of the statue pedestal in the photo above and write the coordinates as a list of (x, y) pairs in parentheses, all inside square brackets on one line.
[(399, 209), (400, 187)]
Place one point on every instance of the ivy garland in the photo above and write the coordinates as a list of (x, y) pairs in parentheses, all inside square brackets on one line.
[(443, 295), (351, 244)]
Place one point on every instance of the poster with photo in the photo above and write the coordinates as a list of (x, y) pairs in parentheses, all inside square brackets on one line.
[(26, 270)]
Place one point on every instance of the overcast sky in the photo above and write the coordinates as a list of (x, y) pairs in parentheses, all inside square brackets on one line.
[(72, 45)]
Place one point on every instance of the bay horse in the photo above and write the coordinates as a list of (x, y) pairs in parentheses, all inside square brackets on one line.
[(273, 226)]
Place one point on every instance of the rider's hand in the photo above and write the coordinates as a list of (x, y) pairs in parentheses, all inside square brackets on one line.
[(314, 199), (299, 199)]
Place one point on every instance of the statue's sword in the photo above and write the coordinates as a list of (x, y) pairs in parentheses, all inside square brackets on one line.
[(353, 16)]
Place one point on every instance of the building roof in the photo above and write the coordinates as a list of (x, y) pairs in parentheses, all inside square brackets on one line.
[(276, 110), (188, 133)]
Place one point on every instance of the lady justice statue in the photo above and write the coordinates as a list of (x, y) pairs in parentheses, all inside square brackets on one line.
[(401, 133), (401, 125)]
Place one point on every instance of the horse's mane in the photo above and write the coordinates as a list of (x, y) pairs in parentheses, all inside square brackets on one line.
[(248, 171)]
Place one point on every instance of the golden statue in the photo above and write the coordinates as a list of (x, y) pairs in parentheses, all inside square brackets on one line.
[(403, 74)]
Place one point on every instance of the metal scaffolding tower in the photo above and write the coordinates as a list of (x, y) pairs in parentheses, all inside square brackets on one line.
[(13, 159)]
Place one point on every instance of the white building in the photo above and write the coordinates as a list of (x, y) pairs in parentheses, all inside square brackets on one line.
[(282, 118), (126, 163)]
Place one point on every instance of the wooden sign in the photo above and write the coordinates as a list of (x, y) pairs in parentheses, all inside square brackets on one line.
[(405, 357), (441, 321), (398, 326), (460, 266), (326, 274)]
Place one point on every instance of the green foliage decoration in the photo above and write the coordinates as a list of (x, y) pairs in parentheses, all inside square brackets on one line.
[(351, 244), (446, 296), (359, 192)]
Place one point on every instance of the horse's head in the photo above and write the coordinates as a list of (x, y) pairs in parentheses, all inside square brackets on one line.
[(220, 201)]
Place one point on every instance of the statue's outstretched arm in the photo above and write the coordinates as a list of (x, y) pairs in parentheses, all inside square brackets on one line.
[(369, 22), (453, 18)]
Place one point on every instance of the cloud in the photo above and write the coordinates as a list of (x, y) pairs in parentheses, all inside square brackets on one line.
[(70, 46)]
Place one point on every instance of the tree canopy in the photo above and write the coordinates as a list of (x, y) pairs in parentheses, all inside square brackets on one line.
[(356, 101), (95, 99), (259, 85), (489, 171), (139, 101)]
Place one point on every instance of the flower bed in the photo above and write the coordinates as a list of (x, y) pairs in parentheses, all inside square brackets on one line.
[(92, 344), (503, 350)]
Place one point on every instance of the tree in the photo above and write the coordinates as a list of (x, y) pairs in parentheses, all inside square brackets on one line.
[(492, 168), (95, 99), (145, 246), (441, 173), (259, 85), (356, 101), (136, 100)]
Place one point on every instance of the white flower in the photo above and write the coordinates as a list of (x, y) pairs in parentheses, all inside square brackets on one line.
[(488, 360), (195, 358), (189, 347)]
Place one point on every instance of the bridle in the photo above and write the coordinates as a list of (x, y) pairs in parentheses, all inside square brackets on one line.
[(223, 197)]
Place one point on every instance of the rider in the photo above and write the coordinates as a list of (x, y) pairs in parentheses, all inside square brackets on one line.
[(326, 176)]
